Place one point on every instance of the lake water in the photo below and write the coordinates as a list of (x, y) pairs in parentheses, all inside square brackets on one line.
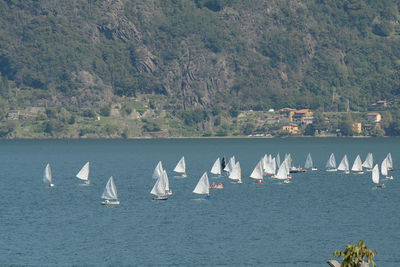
[(270, 224)]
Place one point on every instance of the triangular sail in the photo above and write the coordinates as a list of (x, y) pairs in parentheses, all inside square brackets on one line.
[(236, 174), (309, 163), (357, 164), (384, 167), (375, 174), (389, 161), (203, 186), (158, 170), (282, 172), (83, 174), (270, 167), (166, 180), (278, 160), (110, 192), (230, 165), (47, 174), (344, 164), (257, 172), (181, 166), (160, 187), (216, 168), (331, 162), (369, 161)]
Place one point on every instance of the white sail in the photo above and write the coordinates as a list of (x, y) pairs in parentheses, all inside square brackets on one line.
[(270, 168), (344, 164), (282, 172), (203, 186), (160, 187), (369, 161), (257, 172), (47, 178), (384, 167), (166, 180), (216, 168), (230, 165), (375, 174), (181, 166), (331, 162), (309, 163), (278, 160), (158, 170), (83, 174), (389, 161), (110, 192), (264, 162), (357, 165), (236, 174)]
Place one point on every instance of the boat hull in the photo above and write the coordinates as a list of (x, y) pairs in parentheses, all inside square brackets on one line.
[(107, 202), (160, 198)]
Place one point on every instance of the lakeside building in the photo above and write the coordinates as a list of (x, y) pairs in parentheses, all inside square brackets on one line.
[(374, 117)]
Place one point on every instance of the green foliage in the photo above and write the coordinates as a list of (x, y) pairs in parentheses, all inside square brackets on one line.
[(346, 125), (3, 107), (384, 28), (309, 130), (105, 110), (53, 127), (355, 254)]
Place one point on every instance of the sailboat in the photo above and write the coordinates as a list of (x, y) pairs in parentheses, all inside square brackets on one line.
[(357, 165), (270, 167), (168, 190), (282, 173), (203, 186), (331, 164), (236, 173), (216, 168), (158, 170), (369, 162), (375, 177), (110, 193), (389, 162), (160, 188), (83, 174), (258, 173), (181, 167), (344, 165), (384, 169), (47, 178), (309, 163)]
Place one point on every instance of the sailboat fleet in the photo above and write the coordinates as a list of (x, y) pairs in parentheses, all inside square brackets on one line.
[(266, 166)]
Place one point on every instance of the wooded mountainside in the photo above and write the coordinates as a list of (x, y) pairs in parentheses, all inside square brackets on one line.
[(194, 54)]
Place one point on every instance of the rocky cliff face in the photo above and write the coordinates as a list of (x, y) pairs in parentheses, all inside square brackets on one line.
[(200, 53)]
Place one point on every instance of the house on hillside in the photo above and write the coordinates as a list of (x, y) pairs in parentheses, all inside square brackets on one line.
[(374, 117), (12, 115), (287, 113), (380, 104), (357, 127), (304, 116), (291, 128)]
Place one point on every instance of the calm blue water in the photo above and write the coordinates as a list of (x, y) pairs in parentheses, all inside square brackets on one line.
[(271, 224)]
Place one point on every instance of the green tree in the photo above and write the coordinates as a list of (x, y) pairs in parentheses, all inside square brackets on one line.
[(105, 110), (309, 130), (346, 125), (355, 254)]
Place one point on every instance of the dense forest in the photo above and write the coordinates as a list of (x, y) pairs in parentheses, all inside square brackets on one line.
[(200, 53)]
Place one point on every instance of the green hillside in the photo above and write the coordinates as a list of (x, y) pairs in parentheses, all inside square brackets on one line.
[(202, 55)]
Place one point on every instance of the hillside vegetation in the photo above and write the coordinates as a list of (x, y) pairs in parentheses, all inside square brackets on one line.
[(208, 55)]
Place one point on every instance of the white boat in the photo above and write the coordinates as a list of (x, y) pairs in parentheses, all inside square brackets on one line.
[(283, 172), (203, 186), (344, 165), (161, 187), (331, 164), (181, 167), (389, 162), (384, 169), (375, 176), (357, 165), (47, 177), (278, 160), (110, 193), (258, 173), (236, 173), (369, 162), (216, 168), (309, 162), (83, 174), (158, 170), (270, 167)]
